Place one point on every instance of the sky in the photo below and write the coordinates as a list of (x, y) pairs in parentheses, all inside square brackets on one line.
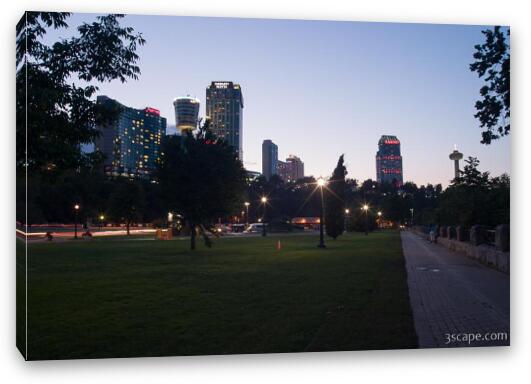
[(319, 89)]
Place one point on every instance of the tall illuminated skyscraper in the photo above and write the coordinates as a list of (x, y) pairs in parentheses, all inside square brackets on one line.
[(131, 144), (224, 107), (186, 113), (389, 161)]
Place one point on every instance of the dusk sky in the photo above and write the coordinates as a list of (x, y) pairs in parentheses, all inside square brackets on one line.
[(322, 88)]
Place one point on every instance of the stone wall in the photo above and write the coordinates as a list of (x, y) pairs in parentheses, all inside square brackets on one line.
[(497, 257), (483, 253)]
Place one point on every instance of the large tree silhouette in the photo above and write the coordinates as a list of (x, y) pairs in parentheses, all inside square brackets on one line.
[(55, 115), (335, 200), (493, 63), (201, 179)]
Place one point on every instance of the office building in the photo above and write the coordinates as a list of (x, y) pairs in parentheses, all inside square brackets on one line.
[(224, 108), (283, 170), (131, 144), (291, 170), (269, 158), (389, 161), (186, 113)]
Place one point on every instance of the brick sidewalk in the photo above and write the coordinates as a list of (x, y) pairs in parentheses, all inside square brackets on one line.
[(451, 294)]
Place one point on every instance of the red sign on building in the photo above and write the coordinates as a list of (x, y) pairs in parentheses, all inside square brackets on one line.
[(153, 111)]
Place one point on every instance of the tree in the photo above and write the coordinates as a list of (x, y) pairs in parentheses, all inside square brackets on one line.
[(358, 222), (201, 179), (335, 201), (470, 176), (475, 198), (492, 61), (59, 116), (126, 202)]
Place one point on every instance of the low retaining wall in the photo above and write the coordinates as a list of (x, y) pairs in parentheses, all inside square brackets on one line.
[(485, 254)]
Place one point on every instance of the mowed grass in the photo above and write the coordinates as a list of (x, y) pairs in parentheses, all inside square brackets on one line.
[(116, 298)]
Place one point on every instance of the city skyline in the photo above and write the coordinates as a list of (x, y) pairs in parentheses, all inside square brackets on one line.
[(345, 85)]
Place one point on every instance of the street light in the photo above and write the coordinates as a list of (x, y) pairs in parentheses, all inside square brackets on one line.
[(321, 183), (365, 207), (247, 213), (380, 219), (264, 202), (102, 217), (76, 209), (347, 211)]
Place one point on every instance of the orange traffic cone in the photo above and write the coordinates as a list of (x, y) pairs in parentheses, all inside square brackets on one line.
[(279, 246)]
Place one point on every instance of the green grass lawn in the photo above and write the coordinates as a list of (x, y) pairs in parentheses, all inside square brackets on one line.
[(116, 298)]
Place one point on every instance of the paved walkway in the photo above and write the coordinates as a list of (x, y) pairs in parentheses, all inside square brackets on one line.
[(453, 297)]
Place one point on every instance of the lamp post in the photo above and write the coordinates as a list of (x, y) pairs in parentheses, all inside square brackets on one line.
[(321, 183), (264, 202), (247, 213), (380, 219), (411, 222), (365, 208), (102, 217), (347, 211), (76, 209)]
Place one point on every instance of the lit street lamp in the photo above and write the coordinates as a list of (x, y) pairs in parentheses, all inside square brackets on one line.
[(247, 213), (264, 202), (380, 219), (365, 207), (321, 183), (76, 209), (347, 212), (102, 217)]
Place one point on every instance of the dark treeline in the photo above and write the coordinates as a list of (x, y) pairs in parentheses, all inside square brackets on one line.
[(302, 199), (475, 197)]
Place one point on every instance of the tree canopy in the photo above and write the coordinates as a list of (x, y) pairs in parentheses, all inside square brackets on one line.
[(475, 198), (55, 115), (493, 64), (201, 178)]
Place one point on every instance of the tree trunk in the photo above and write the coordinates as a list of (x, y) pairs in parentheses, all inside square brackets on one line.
[(127, 226), (192, 237)]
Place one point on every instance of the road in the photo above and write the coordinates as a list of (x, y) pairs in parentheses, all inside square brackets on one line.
[(454, 297), (136, 233)]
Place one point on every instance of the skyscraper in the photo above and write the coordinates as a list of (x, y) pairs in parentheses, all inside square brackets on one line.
[(291, 170), (224, 107), (269, 158), (131, 144), (283, 170), (186, 113), (389, 161)]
